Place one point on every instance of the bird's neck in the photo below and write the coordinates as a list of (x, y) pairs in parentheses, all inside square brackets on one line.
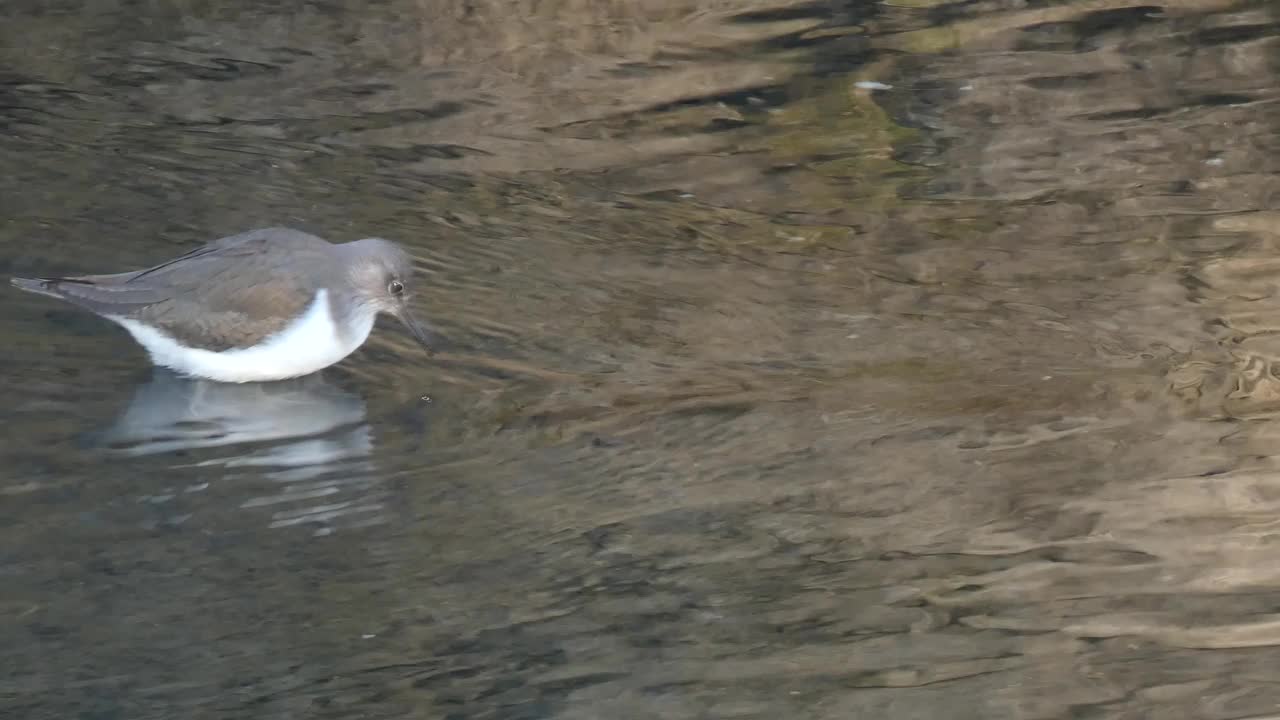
[(352, 319)]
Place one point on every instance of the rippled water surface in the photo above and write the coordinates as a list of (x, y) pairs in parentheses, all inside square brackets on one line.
[(847, 359)]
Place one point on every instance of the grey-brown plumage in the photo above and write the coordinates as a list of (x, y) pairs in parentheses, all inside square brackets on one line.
[(238, 291), (228, 293)]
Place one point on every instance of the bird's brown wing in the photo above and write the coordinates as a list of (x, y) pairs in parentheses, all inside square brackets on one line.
[(227, 293), (239, 312)]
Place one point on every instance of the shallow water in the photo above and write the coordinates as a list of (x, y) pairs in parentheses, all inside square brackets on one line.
[(912, 359)]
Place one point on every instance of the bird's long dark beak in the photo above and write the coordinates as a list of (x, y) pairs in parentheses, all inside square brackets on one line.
[(420, 332)]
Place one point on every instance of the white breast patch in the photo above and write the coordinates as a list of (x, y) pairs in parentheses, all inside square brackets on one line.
[(310, 343)]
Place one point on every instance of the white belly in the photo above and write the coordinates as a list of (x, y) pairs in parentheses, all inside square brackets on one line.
[(312, 342)]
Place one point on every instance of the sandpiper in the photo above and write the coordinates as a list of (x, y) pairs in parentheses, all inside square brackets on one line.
[(267, 304)]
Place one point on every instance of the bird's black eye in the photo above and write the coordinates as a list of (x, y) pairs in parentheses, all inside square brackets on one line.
[(396, 287)]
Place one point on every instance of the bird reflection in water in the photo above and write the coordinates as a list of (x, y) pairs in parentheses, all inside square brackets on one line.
[(302, 445)]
